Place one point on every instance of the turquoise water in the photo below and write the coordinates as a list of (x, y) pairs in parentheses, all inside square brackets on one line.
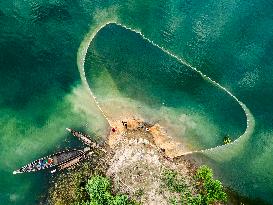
[(42, 90), (141, 75)]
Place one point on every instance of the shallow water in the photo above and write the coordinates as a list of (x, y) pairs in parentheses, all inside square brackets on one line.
[(140, 75), (42, 47)]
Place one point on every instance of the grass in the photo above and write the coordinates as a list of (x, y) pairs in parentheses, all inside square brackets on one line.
[(171, 180), (209, 190)]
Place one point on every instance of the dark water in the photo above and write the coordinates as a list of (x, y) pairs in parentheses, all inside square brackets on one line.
[(41, 91)]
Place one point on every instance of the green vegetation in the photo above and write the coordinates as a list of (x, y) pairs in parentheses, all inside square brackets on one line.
[(69, 187), (211, 189), (227, 140), (207, 190), (99, 191), (173, 183), (84, 186)]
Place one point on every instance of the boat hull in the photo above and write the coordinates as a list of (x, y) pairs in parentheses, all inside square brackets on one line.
[(52, 161)]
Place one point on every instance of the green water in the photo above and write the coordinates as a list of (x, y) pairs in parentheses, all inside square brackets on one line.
[(167, 91), (42, 90)]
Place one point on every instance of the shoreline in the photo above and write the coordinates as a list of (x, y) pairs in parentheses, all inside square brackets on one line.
[(154, 133), (81, 55), (138, 156)]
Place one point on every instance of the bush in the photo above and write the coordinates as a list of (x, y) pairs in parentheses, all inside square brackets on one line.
[(173, 183), (121, 200), (99, 190), (204, 173), (211, 190)]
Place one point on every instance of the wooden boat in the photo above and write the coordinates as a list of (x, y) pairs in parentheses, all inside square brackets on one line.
[(64, 159), (83, 137), (55, 160)]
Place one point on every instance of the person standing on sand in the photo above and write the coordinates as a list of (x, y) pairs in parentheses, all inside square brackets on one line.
[(124, 124)]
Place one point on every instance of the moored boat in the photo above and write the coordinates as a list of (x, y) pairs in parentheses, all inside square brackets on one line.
[(52, 161), (83, 137)]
